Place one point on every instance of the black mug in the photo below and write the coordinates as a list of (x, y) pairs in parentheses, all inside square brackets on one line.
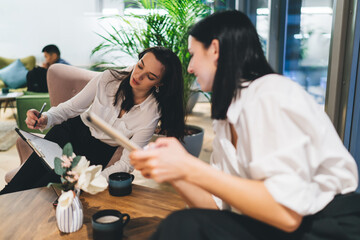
[(120, 183), (5, 90), (109, 224)]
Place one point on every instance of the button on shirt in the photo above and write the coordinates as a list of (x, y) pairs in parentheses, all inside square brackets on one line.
[(98, 96), (286, 140)]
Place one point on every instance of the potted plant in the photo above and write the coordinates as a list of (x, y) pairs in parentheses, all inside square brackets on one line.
[(165, 24), (166, 28)]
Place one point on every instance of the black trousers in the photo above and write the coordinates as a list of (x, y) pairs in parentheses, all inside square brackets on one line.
[(339, 220), (35, 173)]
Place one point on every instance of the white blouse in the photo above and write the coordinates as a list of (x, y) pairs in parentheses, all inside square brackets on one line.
[(287, 140), (98, 96)]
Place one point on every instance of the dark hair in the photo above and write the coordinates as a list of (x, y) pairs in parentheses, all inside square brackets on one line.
[(241, 58), (51, 49), (170, 96)]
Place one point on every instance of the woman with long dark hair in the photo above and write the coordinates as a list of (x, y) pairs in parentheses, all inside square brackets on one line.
[(277, 158), (131, 101)]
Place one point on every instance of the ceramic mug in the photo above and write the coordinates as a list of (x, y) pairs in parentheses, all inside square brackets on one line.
[(120, 183), (109, 224), (5, 90)]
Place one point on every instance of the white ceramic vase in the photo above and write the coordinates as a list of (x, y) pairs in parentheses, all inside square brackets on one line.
[(70, 219)]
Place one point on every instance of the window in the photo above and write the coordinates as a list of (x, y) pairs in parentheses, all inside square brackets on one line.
[(308, 33)]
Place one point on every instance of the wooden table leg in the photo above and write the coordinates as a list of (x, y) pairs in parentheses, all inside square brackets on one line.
[(6, 104), (12, 106)]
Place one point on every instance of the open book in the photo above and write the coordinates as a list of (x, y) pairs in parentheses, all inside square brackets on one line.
[(45, 149)]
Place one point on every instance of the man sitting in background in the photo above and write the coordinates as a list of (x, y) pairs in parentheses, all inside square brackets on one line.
[(52, 55), (36, 78)]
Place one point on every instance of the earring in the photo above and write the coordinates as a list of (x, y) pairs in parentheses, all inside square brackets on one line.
[(157, 90)]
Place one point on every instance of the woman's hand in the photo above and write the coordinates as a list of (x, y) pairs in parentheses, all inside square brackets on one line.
[(32, 117), (165, 160)]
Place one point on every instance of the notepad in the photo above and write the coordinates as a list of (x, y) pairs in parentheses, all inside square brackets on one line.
[(45, 149)]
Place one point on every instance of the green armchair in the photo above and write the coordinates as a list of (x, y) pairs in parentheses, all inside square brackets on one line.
[(28, 101)]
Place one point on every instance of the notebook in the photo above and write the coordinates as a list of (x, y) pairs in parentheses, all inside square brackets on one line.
[(45, 149)]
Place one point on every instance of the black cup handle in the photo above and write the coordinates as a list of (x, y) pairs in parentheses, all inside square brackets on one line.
[(127, 218), (132, 177)]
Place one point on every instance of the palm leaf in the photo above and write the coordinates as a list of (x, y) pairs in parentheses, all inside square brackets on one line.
[(169, 30)]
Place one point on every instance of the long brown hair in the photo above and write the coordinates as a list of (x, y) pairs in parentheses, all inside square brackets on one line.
[(170, 96)]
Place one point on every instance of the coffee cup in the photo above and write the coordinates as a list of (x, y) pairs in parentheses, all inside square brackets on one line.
[(120, 183), (109, 224)]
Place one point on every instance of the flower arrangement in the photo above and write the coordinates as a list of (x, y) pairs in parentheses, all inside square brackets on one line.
[(76, 174)]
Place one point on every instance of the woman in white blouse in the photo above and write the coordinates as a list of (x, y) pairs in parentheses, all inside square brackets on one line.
[(277, 158), (131, 101)]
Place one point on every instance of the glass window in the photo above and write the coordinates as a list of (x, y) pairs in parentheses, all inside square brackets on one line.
[(262, 22), (259, 13), (308, 34)]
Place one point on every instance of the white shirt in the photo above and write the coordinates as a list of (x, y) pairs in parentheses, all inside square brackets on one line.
[(98, 96), (286, 140)]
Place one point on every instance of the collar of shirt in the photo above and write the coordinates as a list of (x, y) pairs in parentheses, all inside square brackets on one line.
[(235, 107), (145, 102)]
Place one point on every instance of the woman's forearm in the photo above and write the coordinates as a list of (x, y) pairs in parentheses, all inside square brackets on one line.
[(193, 195), (167, 161), (248, 196)]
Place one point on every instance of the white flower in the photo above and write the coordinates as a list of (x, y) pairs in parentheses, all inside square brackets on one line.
[(91, 181), (82, 165), (66, 199)]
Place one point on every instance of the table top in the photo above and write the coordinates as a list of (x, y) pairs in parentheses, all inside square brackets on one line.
[(30, 214), (11, 95)]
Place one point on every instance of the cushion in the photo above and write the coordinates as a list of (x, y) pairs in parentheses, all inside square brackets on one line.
[(29, 62), (14, 75)]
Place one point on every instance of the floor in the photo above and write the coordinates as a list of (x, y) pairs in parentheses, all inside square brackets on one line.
[(200, 117)]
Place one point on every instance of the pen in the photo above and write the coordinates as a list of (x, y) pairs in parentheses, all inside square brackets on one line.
[(41, 110)]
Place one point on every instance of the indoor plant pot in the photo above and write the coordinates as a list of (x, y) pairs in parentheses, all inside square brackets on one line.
[(193, 139)]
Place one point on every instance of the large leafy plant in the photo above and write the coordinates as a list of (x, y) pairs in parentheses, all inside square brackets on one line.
[(166, 23)]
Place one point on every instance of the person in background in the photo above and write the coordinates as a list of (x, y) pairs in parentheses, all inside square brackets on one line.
[(132, 101), (277, 159), (52, 55), (36, 80)]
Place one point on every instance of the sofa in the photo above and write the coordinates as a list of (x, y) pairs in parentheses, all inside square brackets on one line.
[(27, 62), (10, 70), (64, 82)]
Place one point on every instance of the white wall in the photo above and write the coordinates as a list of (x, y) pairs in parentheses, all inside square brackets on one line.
[(27, 26)]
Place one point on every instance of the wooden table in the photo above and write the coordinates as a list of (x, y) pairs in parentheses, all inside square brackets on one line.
[(31, 215)]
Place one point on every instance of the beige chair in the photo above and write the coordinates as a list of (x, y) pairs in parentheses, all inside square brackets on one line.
[(64, 82)]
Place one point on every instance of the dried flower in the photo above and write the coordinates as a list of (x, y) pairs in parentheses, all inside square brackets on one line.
[(91, 180), (75, 172), (66, 199)]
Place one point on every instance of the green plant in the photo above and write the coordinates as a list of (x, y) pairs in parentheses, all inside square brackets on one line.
[(167, 29)]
